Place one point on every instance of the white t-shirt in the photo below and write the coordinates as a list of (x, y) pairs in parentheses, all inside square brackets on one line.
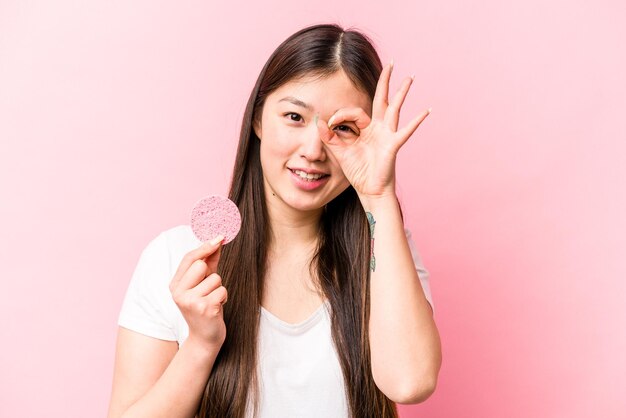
[(299, 370)]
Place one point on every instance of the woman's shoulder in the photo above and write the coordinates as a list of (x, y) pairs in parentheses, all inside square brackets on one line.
[(148, 307)]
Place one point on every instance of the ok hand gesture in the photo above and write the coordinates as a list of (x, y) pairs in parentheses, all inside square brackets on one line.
[(368, 162)]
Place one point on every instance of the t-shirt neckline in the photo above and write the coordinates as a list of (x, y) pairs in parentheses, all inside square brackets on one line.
[(300, 326)]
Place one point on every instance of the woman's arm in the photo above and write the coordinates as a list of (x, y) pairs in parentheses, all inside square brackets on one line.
[(404, 341), (153, 378)]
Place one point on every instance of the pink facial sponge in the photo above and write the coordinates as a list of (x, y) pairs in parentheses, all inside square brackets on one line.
[(215, 215)]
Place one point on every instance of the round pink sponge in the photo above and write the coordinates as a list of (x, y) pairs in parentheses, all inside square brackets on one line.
[(215, 215)]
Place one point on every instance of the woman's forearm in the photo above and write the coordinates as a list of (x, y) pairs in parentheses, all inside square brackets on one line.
[(178, 392), (404, 341)]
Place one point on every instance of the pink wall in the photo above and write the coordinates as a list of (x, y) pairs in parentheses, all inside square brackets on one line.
[(115, 117)]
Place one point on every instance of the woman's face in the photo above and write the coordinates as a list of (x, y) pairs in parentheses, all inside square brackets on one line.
[(291, 145)]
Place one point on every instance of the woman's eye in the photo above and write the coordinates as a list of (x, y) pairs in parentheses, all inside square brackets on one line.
[(347, 128), (295, 117), (291, 115)]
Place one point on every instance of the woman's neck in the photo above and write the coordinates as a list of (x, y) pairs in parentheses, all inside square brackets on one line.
[(291, 229)]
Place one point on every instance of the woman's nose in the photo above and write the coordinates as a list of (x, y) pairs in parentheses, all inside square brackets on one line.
[(312, 147)]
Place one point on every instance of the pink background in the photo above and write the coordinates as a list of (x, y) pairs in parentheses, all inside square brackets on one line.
[(115, 117)]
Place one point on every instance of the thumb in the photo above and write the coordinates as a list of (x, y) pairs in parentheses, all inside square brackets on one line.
[(212, 260)]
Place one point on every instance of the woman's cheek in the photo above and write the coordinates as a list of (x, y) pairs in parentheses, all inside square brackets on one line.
[(286, 137)]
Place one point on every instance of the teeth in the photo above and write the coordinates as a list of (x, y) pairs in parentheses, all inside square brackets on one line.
[(308, 176)]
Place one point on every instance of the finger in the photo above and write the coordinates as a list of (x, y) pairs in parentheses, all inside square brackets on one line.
[(206, 286), (331, 141), (392, 116), (322, 126), (195, 274), (201, 252), (408, 130), (380, 103), (219, 295), (353, 116)]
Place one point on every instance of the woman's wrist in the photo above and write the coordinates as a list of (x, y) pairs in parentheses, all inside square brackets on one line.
[(201, 350), (377, 202)]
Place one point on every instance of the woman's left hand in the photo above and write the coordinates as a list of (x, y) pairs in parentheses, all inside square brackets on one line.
[(368, 161)]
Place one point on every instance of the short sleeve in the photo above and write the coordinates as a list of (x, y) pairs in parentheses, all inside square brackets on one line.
[(144, 308), (423, 274)]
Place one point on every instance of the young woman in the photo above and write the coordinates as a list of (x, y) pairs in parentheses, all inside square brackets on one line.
[(320, 307)]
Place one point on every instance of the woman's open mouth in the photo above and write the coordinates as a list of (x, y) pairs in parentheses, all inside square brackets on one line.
[(308, 181)]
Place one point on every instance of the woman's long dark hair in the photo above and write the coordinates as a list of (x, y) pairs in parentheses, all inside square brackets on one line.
[(341, 260)]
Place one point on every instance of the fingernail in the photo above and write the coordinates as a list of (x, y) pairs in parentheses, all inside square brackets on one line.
[(316, 118), (413, 77), (430, 109), (330, 121), (391, 64), (216, 240)]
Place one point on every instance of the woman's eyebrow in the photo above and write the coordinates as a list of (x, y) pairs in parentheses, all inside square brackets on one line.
[(297, 102)]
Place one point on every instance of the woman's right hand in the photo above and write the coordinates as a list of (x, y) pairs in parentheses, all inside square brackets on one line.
[(197, 290)]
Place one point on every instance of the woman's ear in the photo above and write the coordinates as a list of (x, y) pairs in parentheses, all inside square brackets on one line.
[(257, 128)]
